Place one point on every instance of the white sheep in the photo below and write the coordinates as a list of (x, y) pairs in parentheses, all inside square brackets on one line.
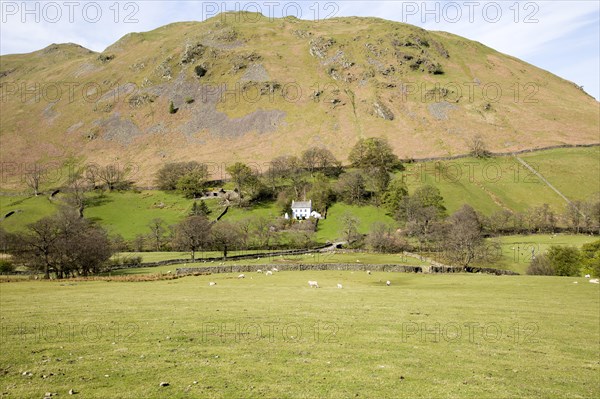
[(388, 283), (587, 276), (274, 269), (313, 284), (595, 281), (212, 283), (269, 273), (169, 272), (339, 286), (259, 271), (242, 276), (369, 272)]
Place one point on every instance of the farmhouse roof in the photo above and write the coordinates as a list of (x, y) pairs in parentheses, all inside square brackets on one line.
[(301, 204)]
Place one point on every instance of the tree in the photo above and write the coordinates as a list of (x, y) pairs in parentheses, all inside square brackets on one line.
[(350, 228), (224, 236), (566, 261), (321, 193), (374, 156), (422, 212), (200, 208), (351, 187), (477, 147), (383, 238), (192, 234), (157, 232), (394, 195), (192, 184), (242, 176), (287, 169), (38, 247), (113, 177), (172, 108), (77, 188), (320, 159), (63, 244), (34, 177), (373, 153), (169, 174), (464, 237)]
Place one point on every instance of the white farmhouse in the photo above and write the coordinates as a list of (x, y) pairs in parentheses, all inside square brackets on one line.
[(301, 209)]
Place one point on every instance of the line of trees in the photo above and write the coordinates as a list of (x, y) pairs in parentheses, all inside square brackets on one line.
[(64, 245)]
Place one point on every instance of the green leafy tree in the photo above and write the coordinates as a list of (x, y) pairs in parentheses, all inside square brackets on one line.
[(244, 178), (321, 192), (169, 174), (192, 184), (394, 195), (566, 261), (200, 208)]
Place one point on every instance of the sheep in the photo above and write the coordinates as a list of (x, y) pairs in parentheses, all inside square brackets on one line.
[(274, 269), (212, 283), (339, 286), (242, 276), (595, 281), (312, 284), (388, 283), (587, 276), (169, 272), (269, 273), (259, 271), (369, 272)]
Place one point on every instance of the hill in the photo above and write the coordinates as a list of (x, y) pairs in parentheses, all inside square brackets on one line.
[(245, 87)]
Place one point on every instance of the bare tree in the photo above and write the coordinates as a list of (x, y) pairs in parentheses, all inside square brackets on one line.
[(478, 148), (34, 177), (112, 177), (157, 232), (192, 234), (350, 228), (225, 235), (464, 237)]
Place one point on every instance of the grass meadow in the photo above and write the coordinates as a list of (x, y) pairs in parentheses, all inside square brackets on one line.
[(425, 336)]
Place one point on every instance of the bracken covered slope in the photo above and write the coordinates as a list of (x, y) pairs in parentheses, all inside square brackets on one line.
[(248, 88)]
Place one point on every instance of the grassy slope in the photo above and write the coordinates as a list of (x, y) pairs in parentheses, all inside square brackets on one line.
[(516, 251), (487, 185), (531, 337)]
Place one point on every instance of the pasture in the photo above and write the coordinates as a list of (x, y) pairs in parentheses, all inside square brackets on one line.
[(442, 336)]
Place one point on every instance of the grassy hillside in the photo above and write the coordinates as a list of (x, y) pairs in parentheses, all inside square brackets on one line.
[(288, 81), (468, 336), (503, 183), (486, 184)]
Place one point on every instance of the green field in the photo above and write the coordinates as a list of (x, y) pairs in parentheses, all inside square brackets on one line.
[(425, 336), (316, 258), (515, 252), (331, 228)]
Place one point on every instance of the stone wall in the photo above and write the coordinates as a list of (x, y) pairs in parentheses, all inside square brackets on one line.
[(337, 266)]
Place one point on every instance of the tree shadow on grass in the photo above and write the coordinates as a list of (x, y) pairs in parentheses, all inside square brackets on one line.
[(97, 200)]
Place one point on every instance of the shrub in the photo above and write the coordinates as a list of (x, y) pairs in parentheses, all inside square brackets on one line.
[(6, 266), (200, 71), (540, 266)]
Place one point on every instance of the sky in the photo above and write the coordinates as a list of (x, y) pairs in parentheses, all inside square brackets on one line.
[(562, 37)]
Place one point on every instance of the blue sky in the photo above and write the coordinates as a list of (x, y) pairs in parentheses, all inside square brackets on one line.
[(562, 37)]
